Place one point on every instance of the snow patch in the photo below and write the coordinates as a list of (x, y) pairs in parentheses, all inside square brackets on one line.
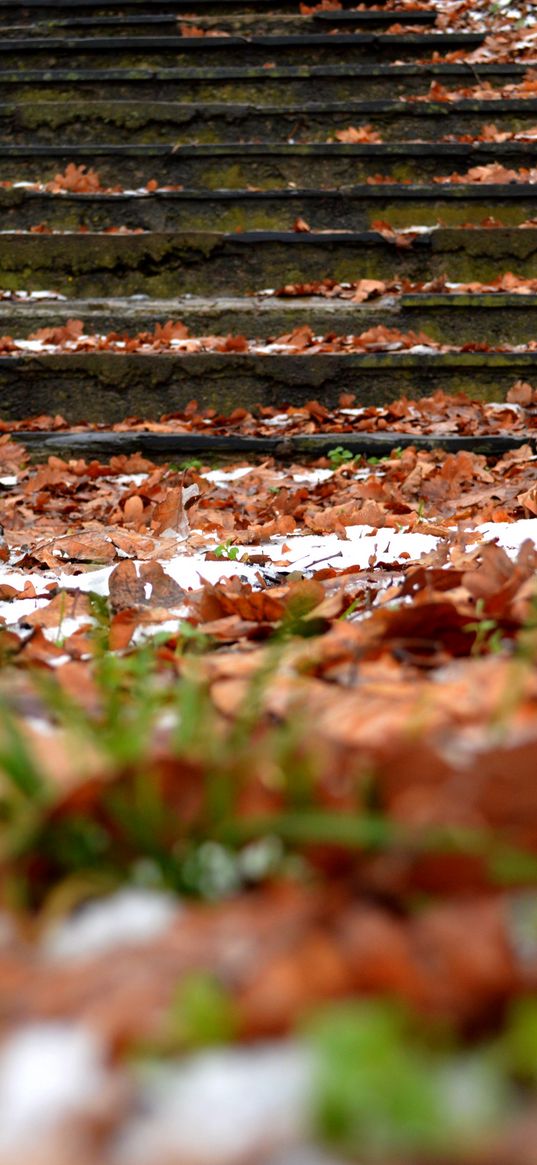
[(47, 1072), (129, 917), (313, 476), (510, 535), (13, 611), (222, 476), (221, 1106), (363, 548)]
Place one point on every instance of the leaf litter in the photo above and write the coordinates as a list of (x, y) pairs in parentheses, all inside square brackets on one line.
[(455, 414), (388, 607), (364, 290), (174, 337), (291, 710)]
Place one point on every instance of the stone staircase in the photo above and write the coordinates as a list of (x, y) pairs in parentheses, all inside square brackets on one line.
[(236, 136)]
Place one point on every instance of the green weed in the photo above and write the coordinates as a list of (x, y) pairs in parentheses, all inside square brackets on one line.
[(487, 634), (339, 456), (384, 1091), (227, 551)]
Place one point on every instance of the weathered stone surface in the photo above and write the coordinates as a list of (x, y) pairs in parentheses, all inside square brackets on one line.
[(106, 386)]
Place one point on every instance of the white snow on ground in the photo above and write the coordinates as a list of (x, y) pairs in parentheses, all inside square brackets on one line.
[(63, 630), (279, 419), (217, 1107), (510, 535), (304, 551), (47, 1072), (14, 610), (230, 1104), (130, 916), (223, 476), (363, 547), (128, 479), (314, 476)]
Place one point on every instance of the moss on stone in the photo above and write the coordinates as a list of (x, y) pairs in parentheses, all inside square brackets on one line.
[(106, 387)]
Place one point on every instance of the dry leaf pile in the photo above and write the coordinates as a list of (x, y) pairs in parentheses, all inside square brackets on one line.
[(174, 336), (449, 415), (363, 290)]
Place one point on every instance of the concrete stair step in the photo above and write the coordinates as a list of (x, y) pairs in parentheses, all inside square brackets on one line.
[(168, 264), (116, 88), (165, 122), (282, 84), (105, 387), (237, 22), (355, 208), (155, 51), (270, 165), (30, 11), (494, 318), (356, 19), (176, 446)]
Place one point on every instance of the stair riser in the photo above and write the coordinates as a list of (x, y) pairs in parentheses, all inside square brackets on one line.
[(261, 319), (266, 169), (171, 265), (240, 23), (106, 387), (255, 85), (78, 122), (205, 52), (28, 14), (348, 208)]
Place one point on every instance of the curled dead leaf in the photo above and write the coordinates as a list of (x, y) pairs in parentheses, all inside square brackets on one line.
[(169, 516)]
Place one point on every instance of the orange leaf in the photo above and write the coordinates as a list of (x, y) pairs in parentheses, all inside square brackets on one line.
[(366, 133)]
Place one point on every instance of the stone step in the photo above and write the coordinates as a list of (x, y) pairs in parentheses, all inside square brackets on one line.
[(105, 387), (269, 165), (30, 11), (162, 123), (494, 318), (354, 208), (280, 85), (238, 23), (114, 87), (356, 19), (176, 446), (213, 263), (157, 52)]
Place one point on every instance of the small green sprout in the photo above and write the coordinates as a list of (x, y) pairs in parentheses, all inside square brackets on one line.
[(228, 551), (189, 463), (488, 636), (202, 1012), (339, 456)]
